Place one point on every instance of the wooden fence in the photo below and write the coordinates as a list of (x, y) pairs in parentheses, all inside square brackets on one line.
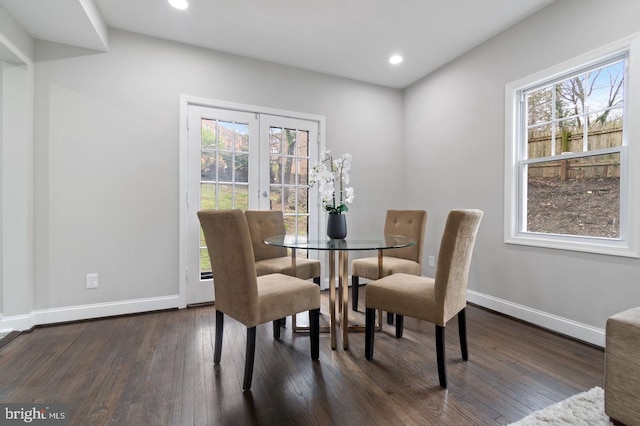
[(600, 166)]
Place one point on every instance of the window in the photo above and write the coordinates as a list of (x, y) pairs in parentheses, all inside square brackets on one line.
[(569, 180)]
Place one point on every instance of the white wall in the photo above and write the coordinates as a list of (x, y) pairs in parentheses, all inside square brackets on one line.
[(16, 171), (106, 160), (454, 146), (16, 45), (17, 189)]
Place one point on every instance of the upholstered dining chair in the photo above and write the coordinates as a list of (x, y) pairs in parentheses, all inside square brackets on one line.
[(408, 223), (271, 259), (433, 300), (245, 297)]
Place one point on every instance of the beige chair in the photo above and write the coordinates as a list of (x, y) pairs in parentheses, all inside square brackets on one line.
[(271, 259), (245, 297), (436, 301), (408, 223)]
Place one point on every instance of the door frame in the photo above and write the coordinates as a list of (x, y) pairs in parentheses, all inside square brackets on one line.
[(185, 102)]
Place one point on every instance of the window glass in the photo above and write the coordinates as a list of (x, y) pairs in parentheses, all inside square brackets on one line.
[(288, 176), (579, 196)]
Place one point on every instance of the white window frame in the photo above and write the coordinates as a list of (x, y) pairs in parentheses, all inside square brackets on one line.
[(628, 243)]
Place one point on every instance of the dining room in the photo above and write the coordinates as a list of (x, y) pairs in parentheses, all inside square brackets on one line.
[(100, 238)]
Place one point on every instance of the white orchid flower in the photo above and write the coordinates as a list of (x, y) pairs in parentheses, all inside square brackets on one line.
[(345, 177), (325, 173), (348, 193), (324, 155), (346, 161)]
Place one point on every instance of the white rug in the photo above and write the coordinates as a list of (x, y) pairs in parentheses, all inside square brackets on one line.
[(586, 408)]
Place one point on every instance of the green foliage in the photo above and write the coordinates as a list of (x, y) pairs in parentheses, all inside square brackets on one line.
[(226, 200), (336, 210)]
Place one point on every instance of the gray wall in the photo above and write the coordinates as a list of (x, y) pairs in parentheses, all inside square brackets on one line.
[(454, 149), (107, 168), (16, 170)]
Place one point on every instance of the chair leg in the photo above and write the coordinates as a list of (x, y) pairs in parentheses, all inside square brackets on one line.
[(217, 351), (277, 324), (316, 280), (355, 282), (399, 325), (390, 318), (462, 331), (314, 333), (248, 362), (369, 331), (442, 368)]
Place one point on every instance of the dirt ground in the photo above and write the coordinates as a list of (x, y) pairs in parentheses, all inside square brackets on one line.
[(575, 207)]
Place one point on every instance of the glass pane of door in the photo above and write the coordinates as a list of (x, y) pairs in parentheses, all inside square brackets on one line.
[(291, 149), (223, 171)]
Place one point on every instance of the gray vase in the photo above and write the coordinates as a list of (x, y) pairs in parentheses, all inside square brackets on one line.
[(337, 226)]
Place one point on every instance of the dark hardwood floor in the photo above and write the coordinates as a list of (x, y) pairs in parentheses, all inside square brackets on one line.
[(157, 369)]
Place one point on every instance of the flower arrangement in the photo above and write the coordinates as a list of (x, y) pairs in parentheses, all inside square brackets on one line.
[(333, 181)]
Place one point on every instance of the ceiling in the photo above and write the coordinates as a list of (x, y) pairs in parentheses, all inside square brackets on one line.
[(347, 38)]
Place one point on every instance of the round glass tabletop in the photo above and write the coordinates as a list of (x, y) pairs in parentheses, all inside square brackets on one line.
[(356, 242)]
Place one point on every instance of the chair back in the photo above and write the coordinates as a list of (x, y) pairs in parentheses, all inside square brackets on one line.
[(454, 260), (264, 224), (234, 273), (408, 223)]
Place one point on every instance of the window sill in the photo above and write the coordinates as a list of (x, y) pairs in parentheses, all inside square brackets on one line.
[(580, 244)]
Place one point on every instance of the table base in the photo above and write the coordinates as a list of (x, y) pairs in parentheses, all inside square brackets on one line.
[(343, 300)]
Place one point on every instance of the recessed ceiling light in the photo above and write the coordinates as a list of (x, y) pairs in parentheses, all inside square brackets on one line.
[(395, 59), (179, 4)]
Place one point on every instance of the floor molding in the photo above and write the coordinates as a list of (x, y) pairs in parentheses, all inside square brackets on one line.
[(83, 312), (567, 327), (573, 329)]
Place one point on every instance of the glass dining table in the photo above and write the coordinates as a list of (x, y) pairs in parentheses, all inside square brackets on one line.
[(342, 247)]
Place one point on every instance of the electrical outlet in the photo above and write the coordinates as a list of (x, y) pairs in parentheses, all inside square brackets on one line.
[(92, 280), (432, 262)]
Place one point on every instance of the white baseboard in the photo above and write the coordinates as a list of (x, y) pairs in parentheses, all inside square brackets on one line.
[(584, 332), (82, 312)]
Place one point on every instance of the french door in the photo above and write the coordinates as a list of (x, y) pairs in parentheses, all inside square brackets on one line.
[(245, 160)]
